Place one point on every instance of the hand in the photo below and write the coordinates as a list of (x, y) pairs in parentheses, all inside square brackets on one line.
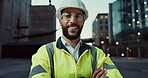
[(99, 73)]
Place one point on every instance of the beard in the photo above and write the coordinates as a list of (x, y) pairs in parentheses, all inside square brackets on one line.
[(71, 37)]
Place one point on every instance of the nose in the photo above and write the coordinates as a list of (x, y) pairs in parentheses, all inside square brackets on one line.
[(73, 19)]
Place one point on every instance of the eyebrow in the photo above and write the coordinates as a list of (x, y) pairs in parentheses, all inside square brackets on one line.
[(76, 13)]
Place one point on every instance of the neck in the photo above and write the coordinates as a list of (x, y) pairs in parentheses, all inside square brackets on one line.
[(73, 43)]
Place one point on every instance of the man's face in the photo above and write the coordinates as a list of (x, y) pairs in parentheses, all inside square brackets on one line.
[(72, 23)]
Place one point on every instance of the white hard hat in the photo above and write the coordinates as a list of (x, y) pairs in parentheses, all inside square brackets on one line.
[(72, 4)]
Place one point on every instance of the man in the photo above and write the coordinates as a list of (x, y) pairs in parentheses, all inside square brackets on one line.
[(69, 56)]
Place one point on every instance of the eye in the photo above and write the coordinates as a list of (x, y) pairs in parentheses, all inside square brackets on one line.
[(66, 15), (79, 17)]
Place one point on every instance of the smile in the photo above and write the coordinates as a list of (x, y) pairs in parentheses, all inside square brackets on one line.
[(73, 27)]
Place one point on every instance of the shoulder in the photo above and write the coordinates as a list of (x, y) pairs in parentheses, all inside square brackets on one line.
[(43, 49), (94, 47)]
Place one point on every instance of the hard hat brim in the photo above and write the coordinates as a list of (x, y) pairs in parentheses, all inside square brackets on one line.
[(58, 14)]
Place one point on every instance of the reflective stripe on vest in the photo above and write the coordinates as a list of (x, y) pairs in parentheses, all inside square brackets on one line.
[(36, 70), (50, 50)]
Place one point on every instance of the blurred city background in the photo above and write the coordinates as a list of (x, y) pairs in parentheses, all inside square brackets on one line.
[(122, 33)]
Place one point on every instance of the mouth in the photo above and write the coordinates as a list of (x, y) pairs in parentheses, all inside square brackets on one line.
[(73, 27)]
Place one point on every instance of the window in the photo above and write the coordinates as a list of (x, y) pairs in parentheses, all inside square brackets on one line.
[(106, 16), (101, 33), (106, 22), (101, 27), (101, 17), (106, 27), (100, 22)]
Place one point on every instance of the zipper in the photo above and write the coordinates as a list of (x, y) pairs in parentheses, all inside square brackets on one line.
[(76, 64), (82, 55)]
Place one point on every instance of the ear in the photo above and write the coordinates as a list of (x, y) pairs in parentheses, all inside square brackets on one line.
[(60, 21)]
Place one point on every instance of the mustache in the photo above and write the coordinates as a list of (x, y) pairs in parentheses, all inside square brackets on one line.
[(73, 25)]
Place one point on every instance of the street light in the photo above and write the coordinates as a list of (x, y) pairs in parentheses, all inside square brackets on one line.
[(127, 48), (102, 45), (122, 54), (108, 52), (138, 40), (138, 33), (102, 42), (117, 43)]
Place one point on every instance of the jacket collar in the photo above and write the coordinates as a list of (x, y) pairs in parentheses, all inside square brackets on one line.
[(83, 46)]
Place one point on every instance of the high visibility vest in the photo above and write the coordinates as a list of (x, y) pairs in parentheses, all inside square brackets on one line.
[(58, 63)]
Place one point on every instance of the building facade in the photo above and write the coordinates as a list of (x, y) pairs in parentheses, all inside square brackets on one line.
[(128, 25), (24, 28), (127, 18), (100, 30), (43, 23), (14, 20)]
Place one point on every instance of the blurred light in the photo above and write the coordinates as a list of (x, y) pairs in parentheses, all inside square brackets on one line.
[(133, 20), (107, 37), (145, 2), (137, 25), (129, 14), (101, 33), (108, 54), (146, 16), (130, 50), (138, 33), (137, 11), (107, 49), (117, 43), (101, 17), (129, 24), (146, 9), (138, 40), (94, 43), (106, 16), (127, 48), (122, 54), (102, 42), (138, 22), (94, 34), (96, 19)]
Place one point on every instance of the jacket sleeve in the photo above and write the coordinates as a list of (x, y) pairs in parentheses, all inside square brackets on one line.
[(106, 63), (40, 67)]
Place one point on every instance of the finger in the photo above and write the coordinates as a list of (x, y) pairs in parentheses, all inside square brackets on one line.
[(96, 72), (101, 74), (104, 74)]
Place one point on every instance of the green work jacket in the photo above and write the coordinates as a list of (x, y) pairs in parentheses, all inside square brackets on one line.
[(65, 66)]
